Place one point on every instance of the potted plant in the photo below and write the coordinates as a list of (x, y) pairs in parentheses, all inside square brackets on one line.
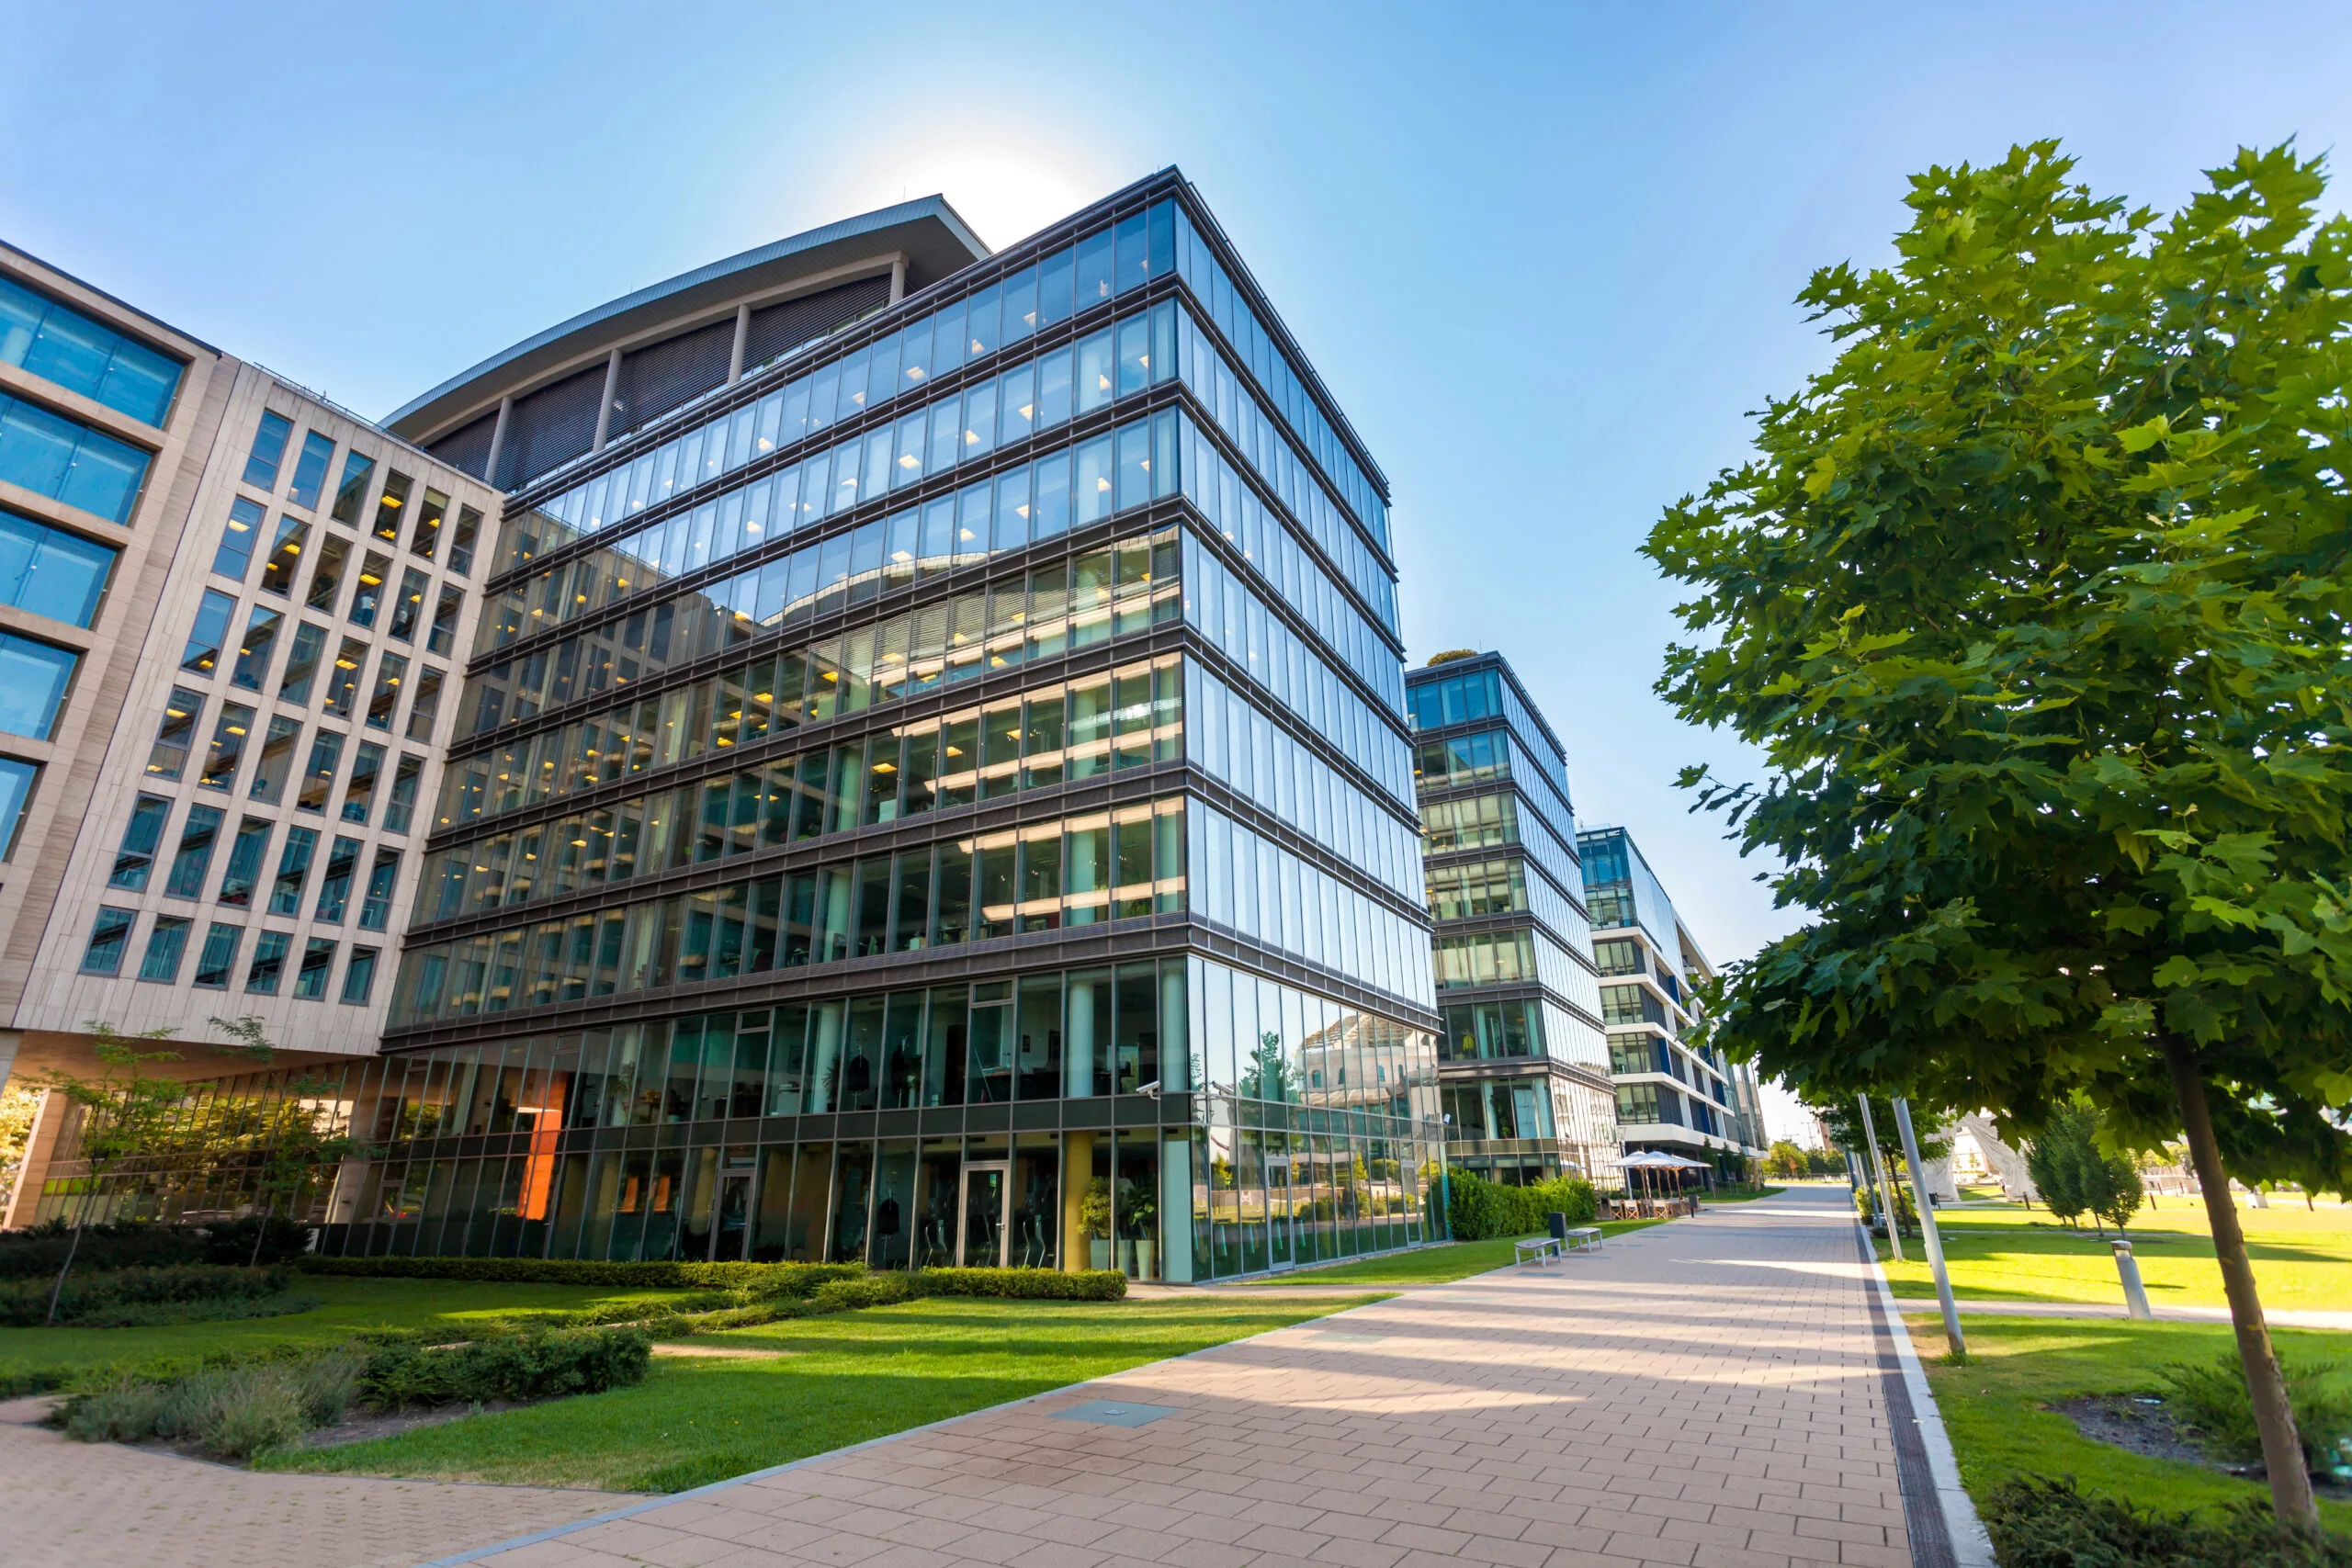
[(1094, 1221), (1141, 1213)]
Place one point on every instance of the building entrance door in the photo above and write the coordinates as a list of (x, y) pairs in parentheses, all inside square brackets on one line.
[(731, 1225), (986, 1189)]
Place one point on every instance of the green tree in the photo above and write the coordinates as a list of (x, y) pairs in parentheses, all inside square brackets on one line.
[(2076, 1174), (125, 1112), (1786, 1159), (2036, 600)]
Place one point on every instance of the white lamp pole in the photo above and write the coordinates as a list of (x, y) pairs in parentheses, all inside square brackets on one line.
[(1933, 1237)]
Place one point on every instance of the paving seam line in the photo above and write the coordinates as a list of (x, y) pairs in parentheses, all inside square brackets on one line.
[(1969, 1546), (514, 1543)]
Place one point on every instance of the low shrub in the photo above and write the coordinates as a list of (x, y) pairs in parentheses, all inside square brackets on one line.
[(92, 1293), (2210, 1399), (508, 1366), (1023, 1284), (1479, 1210), (155, 1314), (2036, 1523), (235, 1412), (875, 1289), (760, 1279), (39, 1250), (123, 1410)]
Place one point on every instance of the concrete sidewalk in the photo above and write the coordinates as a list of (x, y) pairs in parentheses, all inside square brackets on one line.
[(1708, 1392)]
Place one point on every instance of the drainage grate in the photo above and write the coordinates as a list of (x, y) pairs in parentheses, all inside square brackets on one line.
[(1110, 1412)]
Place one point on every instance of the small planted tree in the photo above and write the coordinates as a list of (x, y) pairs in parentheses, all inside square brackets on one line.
[(2037, 600), (125, 1113)]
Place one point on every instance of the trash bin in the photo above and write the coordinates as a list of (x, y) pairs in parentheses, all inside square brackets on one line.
[(1559, 1223)]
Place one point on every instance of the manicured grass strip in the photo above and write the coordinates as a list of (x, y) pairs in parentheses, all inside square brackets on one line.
[(848, 1378), (1748, 1196), (1437, 1265), (2302, 1259), (43, 1356), (1996, 1408)]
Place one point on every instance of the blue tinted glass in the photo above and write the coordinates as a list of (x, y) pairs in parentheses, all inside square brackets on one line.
[(33, 678), (56, 457), (269, 450), (1019, 305), (981, 322), (67, 576), (1095, 280), (235, 556), (15, 789), (1134, 267), (212, 630), (1054, 275), (310, 469), (58, 344)]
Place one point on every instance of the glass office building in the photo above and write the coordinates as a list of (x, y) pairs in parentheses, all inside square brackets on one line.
[(1521, 1059), (1676, 1093), (938, 791)]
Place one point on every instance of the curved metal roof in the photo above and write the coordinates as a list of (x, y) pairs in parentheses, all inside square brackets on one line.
[(934, 236)]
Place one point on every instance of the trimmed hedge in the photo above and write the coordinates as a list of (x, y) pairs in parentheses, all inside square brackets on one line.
[(1480, 1209), (508, 1366), (1023, 1284), (758, 1278), (113, 1296), (2036, 1523), (39, 1251)]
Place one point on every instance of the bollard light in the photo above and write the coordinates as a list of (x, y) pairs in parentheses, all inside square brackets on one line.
[(2136, 1295)]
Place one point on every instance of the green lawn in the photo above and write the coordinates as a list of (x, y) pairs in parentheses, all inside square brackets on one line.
[(347, 1306), (1995, 1406), (2301, 1259), (848, 1377), (1748, 1195), (1437, 1265)]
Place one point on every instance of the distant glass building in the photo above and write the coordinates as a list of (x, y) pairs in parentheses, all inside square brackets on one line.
[(930, 786), (1522, 1058), (1676, 1093)]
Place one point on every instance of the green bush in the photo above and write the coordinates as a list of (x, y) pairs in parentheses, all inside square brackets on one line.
[(1023, 1284), (39, 1251), (760, 1279), (123, 1410), (2036, 1523), (1479, 1209), (95, 1293), (511, 1366), (154, 1315), (875, 1289), (2210, 1399)]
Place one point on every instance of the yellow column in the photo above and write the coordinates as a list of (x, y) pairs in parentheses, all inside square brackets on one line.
[(1078, 1169)]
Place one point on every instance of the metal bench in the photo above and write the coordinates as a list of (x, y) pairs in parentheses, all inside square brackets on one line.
[(1536, 1249), (1583, 1239)]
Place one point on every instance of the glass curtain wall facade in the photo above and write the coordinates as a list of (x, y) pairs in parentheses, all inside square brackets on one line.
[(945, 796), (1522, 1060), (1676, 1093)]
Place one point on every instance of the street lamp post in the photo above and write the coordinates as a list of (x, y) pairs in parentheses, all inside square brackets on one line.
[(1927, 1230)]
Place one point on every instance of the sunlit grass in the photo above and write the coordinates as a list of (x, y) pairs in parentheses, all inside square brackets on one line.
[(1437, 1265)]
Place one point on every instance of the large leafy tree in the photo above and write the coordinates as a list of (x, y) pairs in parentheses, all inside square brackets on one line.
[(2035, 600)]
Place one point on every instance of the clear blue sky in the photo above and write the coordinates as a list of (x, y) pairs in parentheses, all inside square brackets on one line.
[(1544, 255)]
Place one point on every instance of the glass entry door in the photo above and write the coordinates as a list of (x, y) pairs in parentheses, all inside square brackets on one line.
[(985, 1190), (731, 1218)]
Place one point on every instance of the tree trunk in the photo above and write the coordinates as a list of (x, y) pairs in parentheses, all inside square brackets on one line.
[(261, 1226), (81, 1218), (2282, 1449)]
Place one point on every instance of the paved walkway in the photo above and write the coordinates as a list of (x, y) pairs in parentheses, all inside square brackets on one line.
[(65, 1505), (1707, 1392)]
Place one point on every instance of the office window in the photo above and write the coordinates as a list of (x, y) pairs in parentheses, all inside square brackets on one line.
[(56, 342), (54, 456), (427, 535), (318, 963), (16, 792), (359, 795), (402, 802), (408, 607), (218, 961), (443, 638), (198, 834), (166, 941), (268, 966), (293, 869), (326, 578), (209, 634), (368, 594), (229, 735), (383, 878), (311, 471), (302, 664), (109, 934), (388, 510), (269, 450), (285, 563), (342, 677), (144, 831), (351, 493), (33, 679), (359, 975), (235, 556), (247, 853), (383, 704), (426, 707), (276, 759), (335, 887), (51, 573), (168, 758), (461, 544), (318, 779), (253, 654)]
